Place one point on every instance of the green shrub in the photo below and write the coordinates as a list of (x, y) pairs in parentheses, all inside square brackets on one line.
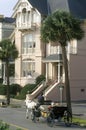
[(14, 89), (2, 89), (25, 89), (40, 78), (28, 87), (1, 80), (20, 96), (4, 126)]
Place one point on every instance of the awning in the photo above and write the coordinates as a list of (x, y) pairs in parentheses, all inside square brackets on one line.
[(53, 58)]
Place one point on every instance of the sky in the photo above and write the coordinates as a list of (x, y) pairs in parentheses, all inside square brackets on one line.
[(6, 7)]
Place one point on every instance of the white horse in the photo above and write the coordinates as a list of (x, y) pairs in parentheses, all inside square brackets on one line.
[(29, 106)]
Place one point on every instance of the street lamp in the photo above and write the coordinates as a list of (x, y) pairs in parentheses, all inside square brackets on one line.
[(61, 93)]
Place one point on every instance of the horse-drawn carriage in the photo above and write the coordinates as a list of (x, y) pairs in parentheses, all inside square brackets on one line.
[(53, 113), (59, 113)]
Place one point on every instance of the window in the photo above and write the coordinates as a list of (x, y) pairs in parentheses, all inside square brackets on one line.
[(28, 67), (72, 47), (23, 15), (28, 44), (55, 50), (28, 17), (18, 20), (33, 16)]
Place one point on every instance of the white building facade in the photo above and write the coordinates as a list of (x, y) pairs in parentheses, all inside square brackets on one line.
[(27, 39), (36, 58)]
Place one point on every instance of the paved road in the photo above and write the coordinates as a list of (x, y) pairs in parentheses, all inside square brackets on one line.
[(16, 118)]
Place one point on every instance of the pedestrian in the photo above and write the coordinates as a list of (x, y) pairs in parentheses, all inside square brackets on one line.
[(41, 99)]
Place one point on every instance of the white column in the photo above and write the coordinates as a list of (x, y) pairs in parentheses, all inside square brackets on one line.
[(59, 72), (48, 49), (61, 93), (63, 76), (51, 70), (59, 51), (46, 72), (30, 22)]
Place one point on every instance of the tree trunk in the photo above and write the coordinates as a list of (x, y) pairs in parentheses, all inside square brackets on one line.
[(8, 87), (67, 84)]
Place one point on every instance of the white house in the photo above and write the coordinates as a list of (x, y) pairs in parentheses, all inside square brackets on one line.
[(36, 58)]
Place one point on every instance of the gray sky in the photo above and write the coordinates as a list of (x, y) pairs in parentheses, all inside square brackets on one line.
[(6, 7)]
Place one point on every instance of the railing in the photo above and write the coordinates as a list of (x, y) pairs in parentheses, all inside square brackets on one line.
[(37, 86), (49, 86), (38, 89), (27, 26)]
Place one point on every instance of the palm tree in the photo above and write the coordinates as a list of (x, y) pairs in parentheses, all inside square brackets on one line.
[(8, 52), (62, 27)]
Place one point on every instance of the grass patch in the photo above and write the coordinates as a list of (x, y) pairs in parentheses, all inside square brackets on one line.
[(81, 122)]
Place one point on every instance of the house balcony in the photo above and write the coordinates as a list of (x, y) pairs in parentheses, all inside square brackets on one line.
[(25, 27)]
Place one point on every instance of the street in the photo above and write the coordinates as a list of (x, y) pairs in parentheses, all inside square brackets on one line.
[(16, 118)]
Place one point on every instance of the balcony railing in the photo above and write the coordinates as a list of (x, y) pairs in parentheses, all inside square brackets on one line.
[(26, 26), (55, 50), (28, 50)]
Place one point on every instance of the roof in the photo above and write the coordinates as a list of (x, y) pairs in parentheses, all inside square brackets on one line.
[(77, 7), (46, 7), (53, 58), (7, 20), (40, 5)]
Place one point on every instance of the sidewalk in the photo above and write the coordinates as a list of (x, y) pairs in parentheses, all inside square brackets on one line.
[(79, 109)]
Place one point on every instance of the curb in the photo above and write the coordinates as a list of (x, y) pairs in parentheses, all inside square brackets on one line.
[(80, 125)]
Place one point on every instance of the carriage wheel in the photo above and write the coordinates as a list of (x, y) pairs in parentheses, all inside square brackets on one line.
[(67, 118), (50, 119)]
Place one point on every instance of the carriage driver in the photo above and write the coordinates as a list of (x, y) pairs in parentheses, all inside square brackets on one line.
[(41, 99)]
